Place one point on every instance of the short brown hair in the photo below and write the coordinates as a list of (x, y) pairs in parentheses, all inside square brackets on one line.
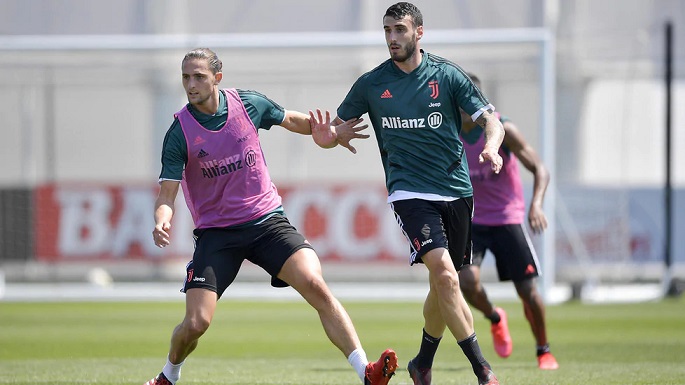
[(207, 54), (402, 9)]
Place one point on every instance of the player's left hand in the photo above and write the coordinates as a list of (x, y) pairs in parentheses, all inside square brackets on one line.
[(494, 158)]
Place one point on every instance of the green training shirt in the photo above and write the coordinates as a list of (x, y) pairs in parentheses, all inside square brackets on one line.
[(416, 121), (263, 112)]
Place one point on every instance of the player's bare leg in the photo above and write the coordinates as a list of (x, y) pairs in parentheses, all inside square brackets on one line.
[(200, 307), (445, 293), (534, 309), (477, 296), (469, 278), (452, 310), (303, 272), (420, 367)]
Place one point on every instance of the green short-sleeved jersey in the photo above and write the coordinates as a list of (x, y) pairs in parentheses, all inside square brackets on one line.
[(263, 112), (416, 120)]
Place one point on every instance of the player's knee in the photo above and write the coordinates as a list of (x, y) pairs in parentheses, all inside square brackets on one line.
[(467, 280), (527, 290), (195, 326), (315, 290), (447, 280), (467, 288)]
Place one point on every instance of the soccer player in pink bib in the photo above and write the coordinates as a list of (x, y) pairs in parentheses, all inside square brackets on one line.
[(498, 226), (212, 151)]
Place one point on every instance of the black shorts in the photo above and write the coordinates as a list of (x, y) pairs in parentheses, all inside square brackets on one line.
[(430, 225), (219, 252), (513, 250)]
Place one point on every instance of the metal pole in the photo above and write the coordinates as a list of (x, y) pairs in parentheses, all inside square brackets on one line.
[(50, 127), (668, 193), (548, 139)]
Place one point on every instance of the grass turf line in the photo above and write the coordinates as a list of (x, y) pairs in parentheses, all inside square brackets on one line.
[(283, 343)]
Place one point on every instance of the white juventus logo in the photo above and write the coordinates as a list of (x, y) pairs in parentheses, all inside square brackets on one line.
[(434, 120)]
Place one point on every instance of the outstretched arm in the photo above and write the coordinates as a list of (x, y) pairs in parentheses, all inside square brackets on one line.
[(164, 211), (494, 135), (325, 133), (515, 141), (297, 122)]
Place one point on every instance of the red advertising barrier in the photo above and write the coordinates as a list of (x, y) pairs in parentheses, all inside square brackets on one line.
[(115, 222)]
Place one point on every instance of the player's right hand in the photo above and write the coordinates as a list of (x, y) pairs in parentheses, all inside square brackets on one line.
[(323, 132), (348, 130), (161, 234), (494, 158)]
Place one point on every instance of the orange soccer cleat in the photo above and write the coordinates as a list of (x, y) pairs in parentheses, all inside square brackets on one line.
[(500, 335), (380, 372), (546, 361)]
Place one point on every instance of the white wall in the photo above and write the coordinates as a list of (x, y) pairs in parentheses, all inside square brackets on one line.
[(132, 94), (623, 134)]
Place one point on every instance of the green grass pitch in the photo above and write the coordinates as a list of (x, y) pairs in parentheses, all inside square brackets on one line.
[(253, 343)]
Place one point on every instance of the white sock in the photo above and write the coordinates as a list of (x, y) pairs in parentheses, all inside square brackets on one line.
[(172, 371), (358, 361)]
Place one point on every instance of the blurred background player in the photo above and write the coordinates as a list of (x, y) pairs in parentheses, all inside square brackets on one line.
[(499, 211), (212, 149)]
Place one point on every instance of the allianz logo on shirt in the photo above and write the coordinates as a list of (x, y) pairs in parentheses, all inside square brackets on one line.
[(217, 167), (433, 121)]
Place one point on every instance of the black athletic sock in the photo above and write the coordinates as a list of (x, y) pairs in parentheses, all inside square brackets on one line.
[(494, 317), (472, 351), (429, 345), (543, 349)]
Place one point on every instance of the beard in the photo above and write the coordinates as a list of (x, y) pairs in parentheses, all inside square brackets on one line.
[(408, 51)]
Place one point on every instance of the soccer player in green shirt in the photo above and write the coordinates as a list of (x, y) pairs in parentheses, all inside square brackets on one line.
[(413, 102)]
